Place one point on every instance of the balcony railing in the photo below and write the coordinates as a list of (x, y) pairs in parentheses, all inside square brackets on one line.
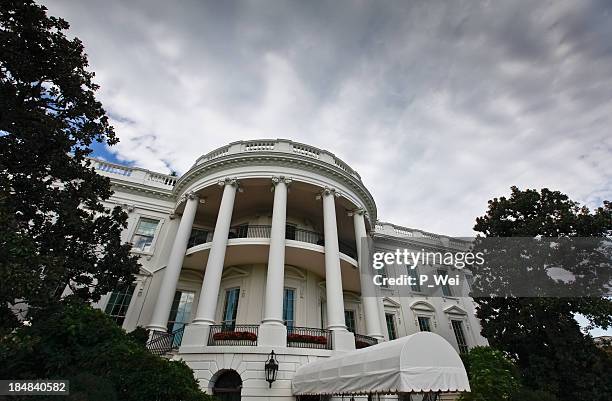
[(264, 231), (307, 337), (161, 343), (362, 341), (233, 334)]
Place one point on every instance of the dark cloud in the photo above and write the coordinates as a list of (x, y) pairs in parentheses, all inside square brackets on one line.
[(439, 105)]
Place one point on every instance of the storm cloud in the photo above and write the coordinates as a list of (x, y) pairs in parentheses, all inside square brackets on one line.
[(440, 106)]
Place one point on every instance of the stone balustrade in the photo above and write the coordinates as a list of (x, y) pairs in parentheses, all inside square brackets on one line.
[(278, 146)]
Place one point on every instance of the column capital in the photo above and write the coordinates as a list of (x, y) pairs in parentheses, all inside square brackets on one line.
[(233, 181), (191, 195), (281, 178), (357, 212), (327, 191)]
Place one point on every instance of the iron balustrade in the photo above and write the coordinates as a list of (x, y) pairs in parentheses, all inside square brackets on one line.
[(233, 334), (161, 343), (363, 341), (199, 236), (308, 337)]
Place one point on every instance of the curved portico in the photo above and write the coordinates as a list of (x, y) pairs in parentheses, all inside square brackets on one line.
[(287, 203)]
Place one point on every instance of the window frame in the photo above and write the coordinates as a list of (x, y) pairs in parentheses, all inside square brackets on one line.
[(418, 289), (354, 320), (224, 321), (392, 315), (124, 307), (428, 319), (294, 290), (445, 286), (134, 232), (463, 346)]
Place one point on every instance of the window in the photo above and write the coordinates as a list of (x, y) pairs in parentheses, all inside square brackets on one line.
[(424, 323), (230, 309), (415, 274), (180, 313), (241, 231), (143, 236), (349, 318), (384, 275), (460, 336), (290, 231), (118, 303), (289, 307), (390, 318), (446, 291), (198, 236), (470, 281)]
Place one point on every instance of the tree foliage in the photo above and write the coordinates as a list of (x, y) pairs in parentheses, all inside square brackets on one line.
[(83, 345), (54, 230), (492, 376), (541, 333)]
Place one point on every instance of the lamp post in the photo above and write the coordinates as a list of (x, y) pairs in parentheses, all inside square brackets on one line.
[(271, 369)]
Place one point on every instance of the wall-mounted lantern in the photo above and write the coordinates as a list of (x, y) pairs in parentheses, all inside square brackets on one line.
[(271, 369)]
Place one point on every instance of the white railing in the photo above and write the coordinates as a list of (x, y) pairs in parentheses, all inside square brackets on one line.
[(258, 146), (306, 150), (112, 168), (399, 231), (278, 145), (134, 174)]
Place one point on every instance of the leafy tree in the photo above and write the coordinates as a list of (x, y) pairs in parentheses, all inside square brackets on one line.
[(541, 333), (79, 343), (54, 230), (492, 376)]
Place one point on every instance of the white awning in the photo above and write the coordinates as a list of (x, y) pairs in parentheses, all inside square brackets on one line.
[(422, 362)]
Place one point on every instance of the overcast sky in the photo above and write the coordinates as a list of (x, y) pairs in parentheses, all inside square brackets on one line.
[(439, 106)]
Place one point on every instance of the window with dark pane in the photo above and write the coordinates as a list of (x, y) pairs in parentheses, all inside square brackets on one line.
[(424, 323), (118, 303), (349, 318), (230, 310), (446, 291), (198, 236), (180, 313), (390, 318), (414, 273), (289, 307), (460, 336)]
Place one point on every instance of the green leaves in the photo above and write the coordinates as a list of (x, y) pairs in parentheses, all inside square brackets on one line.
[(540, 333), (76, 342), (54, 229)]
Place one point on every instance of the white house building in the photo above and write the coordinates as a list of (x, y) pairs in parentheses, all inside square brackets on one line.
[(255, 249)]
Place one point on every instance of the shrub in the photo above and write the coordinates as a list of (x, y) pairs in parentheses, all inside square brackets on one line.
[(83, 345)]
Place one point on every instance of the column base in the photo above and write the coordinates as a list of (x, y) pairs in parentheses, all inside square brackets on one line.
[(195, 335), (272, 334), (343, 340), (379, 337), (156, 327)]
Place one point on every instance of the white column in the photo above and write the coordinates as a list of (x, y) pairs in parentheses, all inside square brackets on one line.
[(368, 297), (342, 339), (165, 296), (207, 304), (272, 330)]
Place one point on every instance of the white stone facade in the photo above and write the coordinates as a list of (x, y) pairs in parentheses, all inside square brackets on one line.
[(257, 233)]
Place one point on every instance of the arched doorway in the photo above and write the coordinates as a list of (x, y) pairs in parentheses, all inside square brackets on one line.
[(228, 386)]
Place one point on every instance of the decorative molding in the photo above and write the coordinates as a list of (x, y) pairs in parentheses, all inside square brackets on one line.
[(455, 310), (229, 181), (128, 207), (422, 306)]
